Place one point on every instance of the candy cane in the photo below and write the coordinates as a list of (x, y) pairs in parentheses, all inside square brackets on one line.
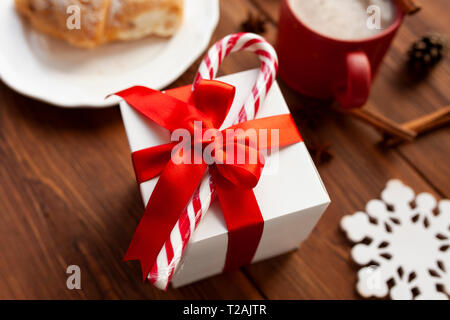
[(170, 255)]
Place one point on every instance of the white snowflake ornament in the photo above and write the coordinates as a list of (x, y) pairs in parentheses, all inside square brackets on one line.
[(403, 242)]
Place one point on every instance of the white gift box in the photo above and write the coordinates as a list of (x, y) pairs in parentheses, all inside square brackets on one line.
[(290, 193)]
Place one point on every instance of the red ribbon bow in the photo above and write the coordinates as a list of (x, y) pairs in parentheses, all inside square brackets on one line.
[(181, 108)]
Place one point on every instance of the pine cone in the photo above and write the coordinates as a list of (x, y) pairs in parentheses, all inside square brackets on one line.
[(427, 52)]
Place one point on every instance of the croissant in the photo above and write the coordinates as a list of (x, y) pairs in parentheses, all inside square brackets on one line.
[(102, 21)]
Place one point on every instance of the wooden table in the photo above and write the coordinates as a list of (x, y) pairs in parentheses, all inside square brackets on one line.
[(68, 194)]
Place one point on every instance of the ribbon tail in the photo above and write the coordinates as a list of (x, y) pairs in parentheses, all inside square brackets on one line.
[(172, 193), (244, 222), (145, 265)]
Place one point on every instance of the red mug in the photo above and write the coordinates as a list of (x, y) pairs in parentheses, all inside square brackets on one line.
[(323, 67)]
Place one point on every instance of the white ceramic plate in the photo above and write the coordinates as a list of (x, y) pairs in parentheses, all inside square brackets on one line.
[(55, 72)]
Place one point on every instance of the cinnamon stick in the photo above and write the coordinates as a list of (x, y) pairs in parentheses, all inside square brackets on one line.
[(380, 122), (430, 121), (409, 6), (423, 124)]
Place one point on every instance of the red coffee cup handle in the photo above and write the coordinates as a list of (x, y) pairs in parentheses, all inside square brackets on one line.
[(356, 91)]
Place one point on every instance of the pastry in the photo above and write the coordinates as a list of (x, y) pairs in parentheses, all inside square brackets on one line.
[(102, 21)]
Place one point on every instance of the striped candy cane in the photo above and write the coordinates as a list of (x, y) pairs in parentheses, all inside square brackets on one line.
[(170, 255)]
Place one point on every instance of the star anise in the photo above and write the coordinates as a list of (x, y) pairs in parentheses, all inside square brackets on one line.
[(255, 23), (320, 152)]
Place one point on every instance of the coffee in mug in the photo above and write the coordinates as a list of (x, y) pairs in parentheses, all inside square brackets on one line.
[(345, 19)]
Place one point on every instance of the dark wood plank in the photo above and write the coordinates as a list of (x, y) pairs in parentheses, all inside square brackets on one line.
[(322, 268), (401, 97), (68, 196)]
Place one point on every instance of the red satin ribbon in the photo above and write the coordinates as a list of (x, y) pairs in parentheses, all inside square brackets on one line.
[(179, 108)]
